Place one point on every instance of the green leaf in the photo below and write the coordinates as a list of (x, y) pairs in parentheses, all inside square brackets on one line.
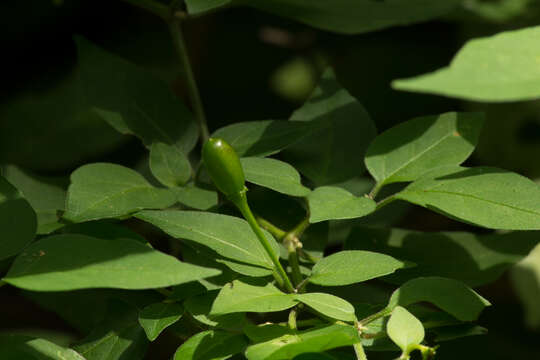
[(169, 164), (132, 101), (410, 149), (265, 331), (229, 236), (274, 174), (483, 196), (471, 258), (104, 190), (200, 307), (70, 262), (198, 7), (118, 336), (239, 296), (19, 347), (18, 221), (46, 195), (344, 129), (447, 333), (405, 329), (503, 67), (328, 305), (349, 267), (195, 197), (525, 278), (157, 317), (262, 138), (449, 295), (290, 345), (332, 203), (355, 16), (211, 345)]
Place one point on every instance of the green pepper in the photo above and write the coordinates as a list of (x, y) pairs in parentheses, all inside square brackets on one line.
[(224, 168)]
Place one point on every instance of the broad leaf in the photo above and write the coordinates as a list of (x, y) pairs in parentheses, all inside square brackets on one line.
[(239, 296), (200, 307), (503, 67), (198, 7), (266, 331), (328, 305), (18, 221), (344, 129), (169, 164), (104, 190), (119, 335), (471, 258), (262, 138), (46, 195), (452, 296), (290, 345), (229, 236), (408, 150), (405, 329), (332, 203), (195, 197), (19, 347), (70, 262), (349, 267), (355, 16), (211, 345), (157, 317), (132, 100), (275, 175), (483, 196)]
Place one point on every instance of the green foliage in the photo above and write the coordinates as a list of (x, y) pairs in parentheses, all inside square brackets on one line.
[(316, 269)]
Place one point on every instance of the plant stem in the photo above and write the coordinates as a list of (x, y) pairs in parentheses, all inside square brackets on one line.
[(271, 228), (359, 350), (292, 243), (175, 28), (151, 6), (305, 323), (385, 202), (292, 319), (384, 312), (375, 191), (242, 204), (295, 267)]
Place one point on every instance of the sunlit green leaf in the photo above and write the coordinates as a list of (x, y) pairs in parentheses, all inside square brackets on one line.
[(405, 329), (211, 345), (328, 305), (331, 203)]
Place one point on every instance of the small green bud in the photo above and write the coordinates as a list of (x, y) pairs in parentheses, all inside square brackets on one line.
[(224, 167)]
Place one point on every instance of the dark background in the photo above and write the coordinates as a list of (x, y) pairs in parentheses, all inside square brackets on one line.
[(252, 66)]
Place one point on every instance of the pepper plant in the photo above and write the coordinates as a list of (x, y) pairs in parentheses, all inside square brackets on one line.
[(262, 240)]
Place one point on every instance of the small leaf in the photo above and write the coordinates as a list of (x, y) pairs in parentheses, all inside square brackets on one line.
[(200, 307), (169, 164), (104, 190), (195, 197), (70, 262), (343, 132), (274, 174), (332, 203), (118, 336), (410, 149), (157, 317), (405, 329), (290, 345), (211, 345), (328, 305), (262, 138), (349, 267), (229, 236), (490, 69), (483, 196), (239, 296), (46, 195), (449, 295), (18, 221), (19, 347)]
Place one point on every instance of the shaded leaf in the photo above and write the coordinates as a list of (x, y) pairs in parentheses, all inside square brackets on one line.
[(448, 333), (197, 7), (200, 307), (70, 262), (195, 197), (274, 174), (103, 190), (452, 296), (332, 203), (19, 347), (405, 329), (18, 220), (483, 196), (349, 267), (525, 277), (328, 305), (503, 67), (410, 149), (211, 345), (157, 317), (169, 164)]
